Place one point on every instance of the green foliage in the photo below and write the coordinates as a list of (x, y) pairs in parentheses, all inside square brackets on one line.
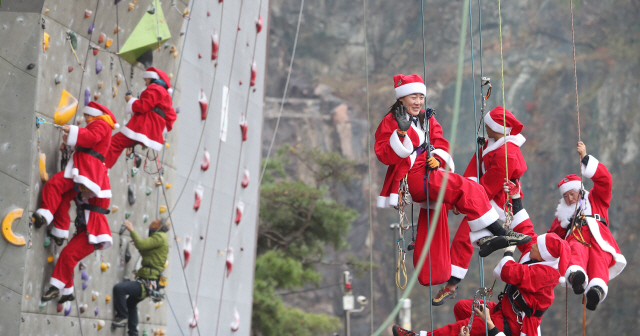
[(297, 221)]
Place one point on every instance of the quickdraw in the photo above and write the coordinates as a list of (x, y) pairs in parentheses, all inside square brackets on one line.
[(403, 225), (152, 159), (485, 81), (485, 294), (508, 212), (401, 267)]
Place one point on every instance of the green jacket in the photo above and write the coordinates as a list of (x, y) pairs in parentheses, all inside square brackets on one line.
[(154, 251)]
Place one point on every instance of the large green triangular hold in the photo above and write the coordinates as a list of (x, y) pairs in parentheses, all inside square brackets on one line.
[(145, 35)]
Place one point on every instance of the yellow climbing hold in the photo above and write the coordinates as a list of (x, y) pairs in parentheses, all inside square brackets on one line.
[(168, 145), (67, 108), (50, 258), (166, 264), (109, 42), (104, 267), (168, 185), (44, 177), (26, 297), (107, 298), (45, 42), (118, 79), (7, 231), (175, 55), (186, 12), (114, 209), (101, 324), (163, 209), (45, 11), (100, 84), (131, 6), (114, 91), (158, 304)]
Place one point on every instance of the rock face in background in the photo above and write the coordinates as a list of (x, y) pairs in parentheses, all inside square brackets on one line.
[(326, 107)]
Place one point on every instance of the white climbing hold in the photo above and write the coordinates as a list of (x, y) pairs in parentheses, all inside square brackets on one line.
[(229, 260), (215, 44), (187, 250), (245, 178), (204, 104), (206, 160), (199, 193), (193, 322), (235, 322), (239, 211)]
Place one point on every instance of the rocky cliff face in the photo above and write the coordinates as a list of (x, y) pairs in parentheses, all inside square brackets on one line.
[(326, 107)]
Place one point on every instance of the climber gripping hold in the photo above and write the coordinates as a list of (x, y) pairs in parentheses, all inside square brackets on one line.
[(153, 116)]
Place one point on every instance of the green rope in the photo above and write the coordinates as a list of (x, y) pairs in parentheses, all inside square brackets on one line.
[(454, 133)]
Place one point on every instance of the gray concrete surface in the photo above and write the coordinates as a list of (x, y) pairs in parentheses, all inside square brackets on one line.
[(27, 93)]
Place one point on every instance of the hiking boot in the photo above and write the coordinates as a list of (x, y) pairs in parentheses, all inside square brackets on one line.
[(66, 298), (38, 220), (399, 331), (594, 295), (516, 238), (443, 296), (576, 279), (52, 293), (120, 322), (491, 244)]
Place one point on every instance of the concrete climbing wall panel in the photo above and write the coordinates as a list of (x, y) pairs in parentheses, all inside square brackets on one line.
[(216, 292)]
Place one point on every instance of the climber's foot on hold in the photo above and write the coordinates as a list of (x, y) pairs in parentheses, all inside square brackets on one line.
[(38, 220), (66, 298), (59, 241), (52, 293)]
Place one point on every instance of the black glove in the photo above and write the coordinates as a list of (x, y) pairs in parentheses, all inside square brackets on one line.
[(401, 118)]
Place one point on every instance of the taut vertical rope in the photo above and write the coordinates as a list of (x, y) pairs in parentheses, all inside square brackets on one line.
[(504, 117)]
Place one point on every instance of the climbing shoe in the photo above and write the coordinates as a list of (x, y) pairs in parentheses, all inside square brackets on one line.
[(66, 298), (38, 220), (52, 293), (516, 238), (491, 244), (120, 322), (594, 295), (443, 296), (399, 331), (576, 279), (59, 241)]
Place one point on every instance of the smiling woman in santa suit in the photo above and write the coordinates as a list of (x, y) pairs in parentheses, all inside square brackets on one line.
[(404, 137)]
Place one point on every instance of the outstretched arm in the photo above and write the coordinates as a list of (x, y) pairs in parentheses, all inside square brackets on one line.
[(598, 173)]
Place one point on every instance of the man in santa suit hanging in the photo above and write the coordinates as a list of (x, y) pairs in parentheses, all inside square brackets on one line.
[(583, 218), (401, 143), (493, 169), (153, 116), (84, 180)]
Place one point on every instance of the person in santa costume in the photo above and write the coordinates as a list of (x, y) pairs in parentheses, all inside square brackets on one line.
[(401, 144), (526, 297), (583, 218), (153, 116), (493, 171), (84, 180)]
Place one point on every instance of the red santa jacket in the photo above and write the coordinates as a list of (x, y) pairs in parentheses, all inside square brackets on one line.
[(147, 126), (98, 229), (85, 168), (493, 168), (535, 282), (598, 201), (400, 155)]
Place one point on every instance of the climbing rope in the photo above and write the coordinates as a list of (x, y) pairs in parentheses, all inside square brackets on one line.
[(284, 94), (440, 198), (173, 312), (78, 310)]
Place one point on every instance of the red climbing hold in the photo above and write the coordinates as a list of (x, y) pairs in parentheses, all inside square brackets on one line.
[(245, 178), (199, 55), (193, 322), (199, 192), (244, 127), (254, 73), (59, 307), (215, 43), (208, 13), (101, 38), (239, 211), (206, 160), (259, 23), (95, 51), (235, 323), (204, 104), (187, 250), (87, 13), (70, 68), (229, 260)]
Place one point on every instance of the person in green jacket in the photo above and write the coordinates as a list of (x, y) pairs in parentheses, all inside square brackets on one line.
[(154, 251)]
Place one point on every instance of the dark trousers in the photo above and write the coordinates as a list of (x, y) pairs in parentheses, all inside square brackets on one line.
[(130, 310)]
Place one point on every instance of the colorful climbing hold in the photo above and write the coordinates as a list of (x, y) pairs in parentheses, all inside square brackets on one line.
[(199, 193), (85, 285), (84, 275), (50, 258), (45, 42), (47, 241), (67, 108), (83, 308), (96, 96), (101, 324), (175, 55), (199, 55), (168, 186), (127, 255), (163, 208), (101, 38), (100, 85), (81, 266), (67, 308), (186, 12), (193, 322), (42, 167), (254, 73), (187, 250), (116, 30), (70, 68), (87, 96), (31, 66), (259, 24), (118, 79), (158, 304), (145, 218), (229, 260), (148, 191), (87, 13), (95, 50), (94, 295), (108, 43), (114, 209), (98, 66), (131, 195), (7, 231), (95, 311), (107, 298), (206, 160), (239, 211), (244, 127), (114, 90), (131, 6), (73, 38), (215, 44), (104, 266), (172, 49), (204, 104), (126, 216), (167, 145), (245, 178), (134, 171), (59, 307), (91, 27), (235, 322)]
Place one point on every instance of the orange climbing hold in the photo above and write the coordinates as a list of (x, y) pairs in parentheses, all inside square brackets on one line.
[(131, 6), (45, 42), (109, 42), (66, 108), (42, 165), (101, 38)]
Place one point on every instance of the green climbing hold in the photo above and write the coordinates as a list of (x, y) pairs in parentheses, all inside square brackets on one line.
[(47, 241), (149, 191), (151, 31), (71, 35), (127, 215), (145, 218), (144, 332), (134, 171)]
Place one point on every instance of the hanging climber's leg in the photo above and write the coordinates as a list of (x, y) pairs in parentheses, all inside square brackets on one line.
[(118, 143), (61, 218), (62, 278), (576, 274), (439, 249), (51, 197), (598, 273), (461, 252)]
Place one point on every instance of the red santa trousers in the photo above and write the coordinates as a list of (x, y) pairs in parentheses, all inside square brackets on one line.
[(461, 250), (440, 263), (593, 259), (469, 197), (77, 249), (118, 143), (57, 195)]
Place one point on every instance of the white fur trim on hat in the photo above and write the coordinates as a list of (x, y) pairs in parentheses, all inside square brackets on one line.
[(542, 247), (170, 90), (571, 185), (493, 125), (150, 74), (92, 111), (410, 88)]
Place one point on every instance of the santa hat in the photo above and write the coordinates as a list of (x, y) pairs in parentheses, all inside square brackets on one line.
[(495, 120), (94, 109), (406, 85), (154, 73), (556, 250), (571, 182)]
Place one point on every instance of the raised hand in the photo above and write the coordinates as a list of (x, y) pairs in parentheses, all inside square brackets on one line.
[(401, 118)]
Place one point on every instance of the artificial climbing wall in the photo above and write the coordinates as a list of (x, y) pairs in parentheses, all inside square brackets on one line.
[(219, 275)]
